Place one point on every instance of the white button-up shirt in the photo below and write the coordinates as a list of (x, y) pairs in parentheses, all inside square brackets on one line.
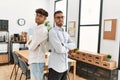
[(39, 38), (60, 44)]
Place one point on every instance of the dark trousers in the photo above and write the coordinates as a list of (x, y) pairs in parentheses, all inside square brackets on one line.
[(53, 75)]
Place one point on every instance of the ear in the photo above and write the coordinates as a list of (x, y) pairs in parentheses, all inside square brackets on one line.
[(44, 18)]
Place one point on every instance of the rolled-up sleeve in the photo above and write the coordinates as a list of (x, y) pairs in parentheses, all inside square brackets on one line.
[(56, 43)]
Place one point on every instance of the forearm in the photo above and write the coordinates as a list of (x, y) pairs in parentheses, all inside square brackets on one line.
[(35, 44), (69, 45)]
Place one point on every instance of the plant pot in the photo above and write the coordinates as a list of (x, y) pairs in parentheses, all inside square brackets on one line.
[(108, 59)]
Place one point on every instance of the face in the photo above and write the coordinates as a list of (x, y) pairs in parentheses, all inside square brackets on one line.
[(39, 19), (59, 19)]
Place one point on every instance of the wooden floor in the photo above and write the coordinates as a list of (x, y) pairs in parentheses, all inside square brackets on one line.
[(5, 71)]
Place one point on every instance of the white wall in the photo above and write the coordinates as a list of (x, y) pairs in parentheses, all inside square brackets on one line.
[(12, 10), (73, 13), (110, 11), (51, 12)]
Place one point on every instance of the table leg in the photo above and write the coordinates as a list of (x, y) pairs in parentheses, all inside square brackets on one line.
[(74, 70)]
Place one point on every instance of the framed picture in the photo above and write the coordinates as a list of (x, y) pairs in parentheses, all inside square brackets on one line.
[(109, 31), (72, 28)]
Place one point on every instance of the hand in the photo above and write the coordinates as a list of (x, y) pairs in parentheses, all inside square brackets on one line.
[(37, 46), (29, 42), (70, 51), (62, 44)]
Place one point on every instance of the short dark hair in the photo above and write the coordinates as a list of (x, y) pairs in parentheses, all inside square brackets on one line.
[(57, 12), (42, 11)]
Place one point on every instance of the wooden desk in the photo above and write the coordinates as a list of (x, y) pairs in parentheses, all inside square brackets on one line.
[(24, 55)]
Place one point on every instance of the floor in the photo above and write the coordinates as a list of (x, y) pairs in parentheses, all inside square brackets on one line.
[(5, 71)]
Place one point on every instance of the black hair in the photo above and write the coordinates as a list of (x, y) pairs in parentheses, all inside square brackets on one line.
[(42, 11), (57, 12)]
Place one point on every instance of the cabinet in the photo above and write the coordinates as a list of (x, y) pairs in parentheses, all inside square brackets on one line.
[(92, 72), (16, 45), (17, 42), (4, 47)]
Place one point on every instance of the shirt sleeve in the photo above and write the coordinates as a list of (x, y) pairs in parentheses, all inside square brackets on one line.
[(56, 43), (70, 43), (38, 39)]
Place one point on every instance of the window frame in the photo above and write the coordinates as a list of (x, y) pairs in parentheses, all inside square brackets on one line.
[(100, 23)]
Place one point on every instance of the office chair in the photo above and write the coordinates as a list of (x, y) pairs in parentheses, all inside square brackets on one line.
[(24, 68), (16, 65)]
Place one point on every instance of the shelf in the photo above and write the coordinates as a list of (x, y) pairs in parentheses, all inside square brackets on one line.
[(4, 47), (93, 72), (4, 30), (18, 42), (3, 42), (3, 53)]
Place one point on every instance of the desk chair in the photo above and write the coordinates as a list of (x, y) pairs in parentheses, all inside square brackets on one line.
[(24, 68), (16, 65)]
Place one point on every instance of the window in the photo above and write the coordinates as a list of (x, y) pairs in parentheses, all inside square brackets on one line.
[(90, 11), (89, 25), (3, 25), (89, 38)]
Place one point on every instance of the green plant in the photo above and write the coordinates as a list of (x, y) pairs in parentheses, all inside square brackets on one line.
[(47, 24), (76, 49), (109, 56)]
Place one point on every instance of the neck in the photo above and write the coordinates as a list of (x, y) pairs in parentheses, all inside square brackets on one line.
[(59, 26), (38, 24)]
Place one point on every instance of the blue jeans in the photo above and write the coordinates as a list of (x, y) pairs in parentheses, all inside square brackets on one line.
[(36, 71)]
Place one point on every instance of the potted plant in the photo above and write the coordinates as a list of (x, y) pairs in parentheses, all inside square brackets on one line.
[(109, 57), (73, 51), (76, 49)]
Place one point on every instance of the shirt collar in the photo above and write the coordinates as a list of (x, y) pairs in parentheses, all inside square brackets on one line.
[(40, 25), (58, 28)]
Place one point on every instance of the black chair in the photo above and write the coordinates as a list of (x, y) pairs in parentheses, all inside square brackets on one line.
[(24, 68), (16, 65)]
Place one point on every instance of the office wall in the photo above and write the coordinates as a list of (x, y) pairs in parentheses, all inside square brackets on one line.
[(110, 11), (51, 12), (12, 10), (73, 14)]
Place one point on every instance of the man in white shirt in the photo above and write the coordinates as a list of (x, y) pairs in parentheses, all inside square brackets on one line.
[(60, 45), (37, 46)]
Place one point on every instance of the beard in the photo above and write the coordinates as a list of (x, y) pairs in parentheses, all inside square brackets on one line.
[(39, 22), (59, 24)]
